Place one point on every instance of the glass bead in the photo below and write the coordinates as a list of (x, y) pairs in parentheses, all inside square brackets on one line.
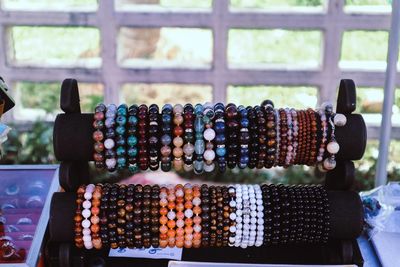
[(132, 141), (121, 151), (132, 120), (198, 125), (199, 146), (209, 134)]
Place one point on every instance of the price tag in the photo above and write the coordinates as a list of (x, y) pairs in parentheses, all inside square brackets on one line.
[(149, 253)]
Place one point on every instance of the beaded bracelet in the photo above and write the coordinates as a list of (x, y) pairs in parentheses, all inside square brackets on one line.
[(246, 217), (301, 137), (197, 217), (163, 218), (188, 216), (220, 217), (166, 139), (213, 216), (154, 222), (171, 224), (226, 214), (295, 135), (209, 135), (121, 215), (78, 217), (199, 145), (283, 128), (238, 229), (142, 134), (271, 134), (253, 216), (120, 139), (267, 204), (178, 140), (153, 137), (188, 147), (95, 219), (284, 215), (260, 216), (232, 215), (104, 206), (244, 138), (112, 217), (138, 216), (289, 146), (232, 135), (219, 127), (129, 226), (98, 136), (132, 140), (86, 214), (253, 144), (262, 137), (180, 216), (109, 143), (146, 238), (278, 136), (313, 149), (205, 216)]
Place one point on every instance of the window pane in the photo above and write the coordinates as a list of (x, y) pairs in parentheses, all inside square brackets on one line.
[(55, 46), (165, 47), (296, 97), (61, 5), (370, 6), (274, 47), (161, 94), (364, 49), (267, 4), (370, 102), (135, 5), (42, 100)]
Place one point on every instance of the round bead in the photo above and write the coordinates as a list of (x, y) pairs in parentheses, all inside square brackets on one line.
[(340, 120), (188, 213), (86, 213), (209, 134), (333, 147), (109, 143), (111, 163), (209, 155), (86, 204), (171, 215), (86, 223), (209, 167), (329, 163), (188, 149)]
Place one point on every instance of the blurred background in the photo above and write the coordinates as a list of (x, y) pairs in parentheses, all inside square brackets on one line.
[(293, 52)]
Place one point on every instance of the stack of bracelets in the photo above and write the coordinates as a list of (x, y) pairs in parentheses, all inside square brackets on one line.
[(206, 137), (193, 216)]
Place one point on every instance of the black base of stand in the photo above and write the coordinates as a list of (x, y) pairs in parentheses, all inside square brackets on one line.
[(335, 252)]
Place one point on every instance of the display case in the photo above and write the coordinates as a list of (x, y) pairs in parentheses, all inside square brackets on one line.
[(25, 194)]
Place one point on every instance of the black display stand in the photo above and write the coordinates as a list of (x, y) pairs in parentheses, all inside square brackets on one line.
[(73, 146)]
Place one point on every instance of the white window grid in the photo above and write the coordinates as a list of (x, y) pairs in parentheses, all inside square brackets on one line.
[(332, 21)]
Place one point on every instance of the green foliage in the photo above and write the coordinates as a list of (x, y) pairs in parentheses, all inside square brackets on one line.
[(39, 95), (29, 147)]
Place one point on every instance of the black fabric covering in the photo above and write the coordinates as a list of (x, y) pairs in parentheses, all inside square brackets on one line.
[(69, 100), (342, 177), (72, 174), (73, 137), (352, 138), (346, 215), (347, 100), (346, 224)]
